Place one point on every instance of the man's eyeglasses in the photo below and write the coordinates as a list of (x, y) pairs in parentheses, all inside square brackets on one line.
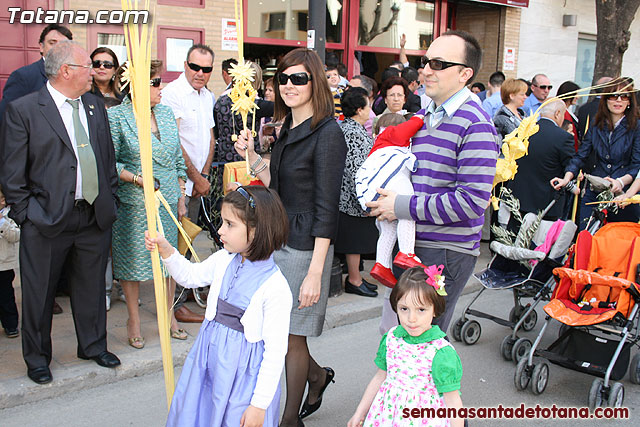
[(297, 79), (196, 68), (155, 82), (79, 65), (106, 64), (438, 64), (543, 87), (619, 96)]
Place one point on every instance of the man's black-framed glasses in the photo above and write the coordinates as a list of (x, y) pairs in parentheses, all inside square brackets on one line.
[(196, 68), (155, 82), (439, 64)]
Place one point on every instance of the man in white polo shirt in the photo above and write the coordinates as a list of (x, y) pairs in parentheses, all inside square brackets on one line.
[(192, 104)]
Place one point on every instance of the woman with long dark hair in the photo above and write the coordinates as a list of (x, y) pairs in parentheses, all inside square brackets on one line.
[(306, 170), (105, 64), (613, 145)]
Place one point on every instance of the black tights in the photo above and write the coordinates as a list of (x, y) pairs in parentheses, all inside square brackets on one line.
[(300, 370)]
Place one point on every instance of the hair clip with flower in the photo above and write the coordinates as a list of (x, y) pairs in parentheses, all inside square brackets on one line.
[(435, 278)]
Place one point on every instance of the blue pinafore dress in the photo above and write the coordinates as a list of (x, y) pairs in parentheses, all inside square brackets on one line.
[(220, 373)]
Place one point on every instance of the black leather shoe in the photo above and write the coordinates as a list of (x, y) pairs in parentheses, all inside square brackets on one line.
[(105, 359), (40, 375), (371, 286), (310, 409), (359, 290)]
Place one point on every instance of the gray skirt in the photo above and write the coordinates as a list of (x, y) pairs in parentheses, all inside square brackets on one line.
[(294, 265)]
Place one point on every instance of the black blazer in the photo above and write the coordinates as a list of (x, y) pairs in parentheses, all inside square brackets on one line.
[(306, 171), (587, 110), (21, 82), (550, 150), (38, 173)]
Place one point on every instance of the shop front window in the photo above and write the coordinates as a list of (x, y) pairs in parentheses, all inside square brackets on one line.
[(382, 23), (116, 43), (289, 20), (585, 61)]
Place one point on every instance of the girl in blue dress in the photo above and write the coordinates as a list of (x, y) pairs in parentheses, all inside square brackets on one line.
[(232, 374)]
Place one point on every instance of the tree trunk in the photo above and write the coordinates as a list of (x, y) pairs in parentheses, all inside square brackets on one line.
[(613, 18)]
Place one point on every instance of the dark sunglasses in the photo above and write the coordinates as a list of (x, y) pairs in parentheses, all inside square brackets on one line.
[(438, 64), (621, 96), (196, 68), (106, 64), (297, 79), (543, 87), (155, 82)]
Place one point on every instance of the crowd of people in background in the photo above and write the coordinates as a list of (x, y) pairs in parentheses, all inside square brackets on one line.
[(74, 198)]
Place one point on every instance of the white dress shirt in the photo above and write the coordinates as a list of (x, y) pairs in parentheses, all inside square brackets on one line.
[(66, 112), (195, 111)]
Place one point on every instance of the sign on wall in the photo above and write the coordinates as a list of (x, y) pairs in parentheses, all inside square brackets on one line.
[(509, 59), (229, 35)]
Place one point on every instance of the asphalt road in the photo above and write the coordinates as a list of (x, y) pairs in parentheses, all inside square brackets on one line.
[(487, 381)]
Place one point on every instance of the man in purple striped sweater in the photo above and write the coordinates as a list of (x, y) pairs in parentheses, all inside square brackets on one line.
[(456, 150)]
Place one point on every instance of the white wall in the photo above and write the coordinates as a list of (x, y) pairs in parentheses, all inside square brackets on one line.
[(548, 47)]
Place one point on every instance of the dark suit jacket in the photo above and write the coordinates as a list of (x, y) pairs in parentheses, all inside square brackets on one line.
[(306, 170), (21, 82), (550, 150), (38, 173), (587, 110)]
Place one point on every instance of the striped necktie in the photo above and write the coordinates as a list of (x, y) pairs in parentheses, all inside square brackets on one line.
[(86, 157)]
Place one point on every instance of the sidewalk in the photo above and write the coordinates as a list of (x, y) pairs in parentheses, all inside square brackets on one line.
[(71, 373)]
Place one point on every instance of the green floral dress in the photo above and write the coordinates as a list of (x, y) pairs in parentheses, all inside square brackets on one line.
[(419, 370), (131, 260)]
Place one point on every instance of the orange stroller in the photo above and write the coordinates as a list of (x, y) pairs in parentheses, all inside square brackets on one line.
[(595, 301)]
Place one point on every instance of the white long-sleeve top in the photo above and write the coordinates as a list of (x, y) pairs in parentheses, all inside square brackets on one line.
[(265, 319), (9, 238)]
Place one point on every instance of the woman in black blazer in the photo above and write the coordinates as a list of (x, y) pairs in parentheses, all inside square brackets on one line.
[(306, 168)]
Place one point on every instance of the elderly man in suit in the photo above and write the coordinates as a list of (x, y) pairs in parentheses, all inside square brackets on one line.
[(59, 176), (31, 78), (550, 150)]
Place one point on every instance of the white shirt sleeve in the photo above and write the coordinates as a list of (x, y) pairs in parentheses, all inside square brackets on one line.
[(171, 98), (191, 274)]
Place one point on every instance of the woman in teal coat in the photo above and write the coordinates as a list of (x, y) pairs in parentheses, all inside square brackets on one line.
[(131, 261)]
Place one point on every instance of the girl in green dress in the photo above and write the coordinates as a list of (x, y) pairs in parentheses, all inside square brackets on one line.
[(417, 366)]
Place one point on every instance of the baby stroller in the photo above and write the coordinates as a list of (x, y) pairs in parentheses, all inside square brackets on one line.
[(527, 273), (595, 301)]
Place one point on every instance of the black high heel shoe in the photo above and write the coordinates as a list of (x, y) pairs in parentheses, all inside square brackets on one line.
[(308, 409)]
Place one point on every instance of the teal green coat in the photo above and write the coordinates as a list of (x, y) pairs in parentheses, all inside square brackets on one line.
[(168, 164)]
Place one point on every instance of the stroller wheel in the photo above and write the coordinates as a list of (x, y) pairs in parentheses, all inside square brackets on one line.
[(530, 321), (200, 295), (470, 332), (595, 394), (456, 329), (514, 314), (634, 369), (616, 395), (522, 375), (520, 349), (506, 346), (539, 378)]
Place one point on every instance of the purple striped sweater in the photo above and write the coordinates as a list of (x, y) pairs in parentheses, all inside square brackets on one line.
[(453, 181)]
